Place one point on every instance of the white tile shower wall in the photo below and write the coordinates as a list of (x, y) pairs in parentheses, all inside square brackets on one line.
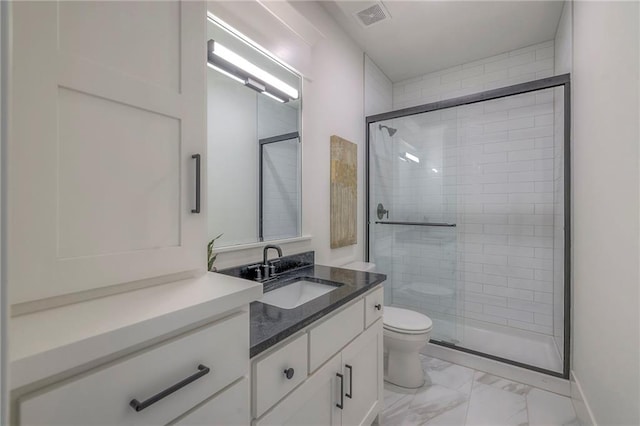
[(517, 66), (281, 170), (490, 168)]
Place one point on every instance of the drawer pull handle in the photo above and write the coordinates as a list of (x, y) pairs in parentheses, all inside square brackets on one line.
[(341, 404), (197, 158), (289, 373), (139, 406), (350, 394), (378, 306)]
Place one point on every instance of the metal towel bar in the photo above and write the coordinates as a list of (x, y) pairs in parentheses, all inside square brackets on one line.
[(446, 225)]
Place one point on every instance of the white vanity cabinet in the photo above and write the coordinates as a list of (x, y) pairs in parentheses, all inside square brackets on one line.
[(199, 377), (346, 385), (108, 109)]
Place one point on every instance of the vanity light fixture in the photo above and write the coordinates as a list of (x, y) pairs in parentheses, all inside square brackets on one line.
[(235, 66)]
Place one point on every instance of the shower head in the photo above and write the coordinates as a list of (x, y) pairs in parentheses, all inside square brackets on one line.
[(391, 130)]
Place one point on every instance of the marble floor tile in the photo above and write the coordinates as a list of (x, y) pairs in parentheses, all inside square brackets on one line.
[(446, 374), (460, 396), (500, 383), (399, 414), (550, 409), (435, 401), (394, 394), (493, 406), (453, 417)]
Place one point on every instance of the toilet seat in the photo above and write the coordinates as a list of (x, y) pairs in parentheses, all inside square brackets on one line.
[(405, 321)]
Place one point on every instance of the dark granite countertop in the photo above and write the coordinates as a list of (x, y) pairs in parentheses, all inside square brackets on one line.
[(270, 324)]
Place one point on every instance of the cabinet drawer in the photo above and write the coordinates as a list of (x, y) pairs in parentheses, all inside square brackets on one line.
[(373, 306), (328, 338), (229, 408), (103, 396), (271, 382)]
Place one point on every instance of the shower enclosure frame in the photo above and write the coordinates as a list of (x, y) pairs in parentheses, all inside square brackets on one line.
[(563, 81)]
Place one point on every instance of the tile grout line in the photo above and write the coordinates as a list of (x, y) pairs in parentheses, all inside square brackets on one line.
[(473, 382)]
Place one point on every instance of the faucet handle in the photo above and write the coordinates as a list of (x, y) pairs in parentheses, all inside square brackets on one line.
[(258, 270), (272, 267)]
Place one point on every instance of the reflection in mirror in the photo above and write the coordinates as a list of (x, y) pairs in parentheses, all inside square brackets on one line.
[(254, 151), (279, 187)]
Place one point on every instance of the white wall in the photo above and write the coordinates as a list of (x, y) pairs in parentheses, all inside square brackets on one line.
[(4, 379), (605, 187), (332, 103), (496, 160), (378, 89)]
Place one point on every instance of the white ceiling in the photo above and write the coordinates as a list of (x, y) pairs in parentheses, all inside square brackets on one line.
[(426, 36)]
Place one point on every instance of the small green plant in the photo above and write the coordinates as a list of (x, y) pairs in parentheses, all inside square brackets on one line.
[(211, 256)]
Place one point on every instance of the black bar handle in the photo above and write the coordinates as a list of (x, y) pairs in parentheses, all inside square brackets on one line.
[(378, 306), (350, 394), (139, 406), (197, 209), (341, 404)]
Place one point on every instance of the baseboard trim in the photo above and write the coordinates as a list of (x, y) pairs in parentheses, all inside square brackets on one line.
[(510, 372), (580, 403)]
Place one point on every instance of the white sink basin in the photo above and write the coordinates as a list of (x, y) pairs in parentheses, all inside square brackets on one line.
[(295, 294)]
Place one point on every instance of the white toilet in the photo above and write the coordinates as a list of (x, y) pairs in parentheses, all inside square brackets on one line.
[(405, 333)]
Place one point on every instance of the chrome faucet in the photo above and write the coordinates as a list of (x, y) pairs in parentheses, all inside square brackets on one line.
[(269, 268)]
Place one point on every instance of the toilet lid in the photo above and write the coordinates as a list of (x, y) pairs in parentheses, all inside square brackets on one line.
[(405, 320)]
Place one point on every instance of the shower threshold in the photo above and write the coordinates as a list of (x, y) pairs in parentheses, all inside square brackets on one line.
[(523, 348)]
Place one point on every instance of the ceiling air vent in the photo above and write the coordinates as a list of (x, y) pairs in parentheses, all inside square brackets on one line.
[(372, 15)]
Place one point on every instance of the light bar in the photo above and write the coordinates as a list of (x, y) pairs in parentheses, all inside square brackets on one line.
[(273, 97), (223, 72), (251, 69), (412, 157)]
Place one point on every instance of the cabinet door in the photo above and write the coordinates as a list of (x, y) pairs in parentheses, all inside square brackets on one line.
[(229, 408), (362, 369), (313, 403), (108, 107)]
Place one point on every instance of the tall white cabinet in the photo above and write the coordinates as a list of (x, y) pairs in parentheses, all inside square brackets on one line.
[(107, 112)]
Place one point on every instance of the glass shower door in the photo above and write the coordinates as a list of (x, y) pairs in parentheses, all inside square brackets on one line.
[(469, 218), (412, 216)]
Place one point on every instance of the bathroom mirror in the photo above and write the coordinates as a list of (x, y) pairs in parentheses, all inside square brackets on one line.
[(254, 143)]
